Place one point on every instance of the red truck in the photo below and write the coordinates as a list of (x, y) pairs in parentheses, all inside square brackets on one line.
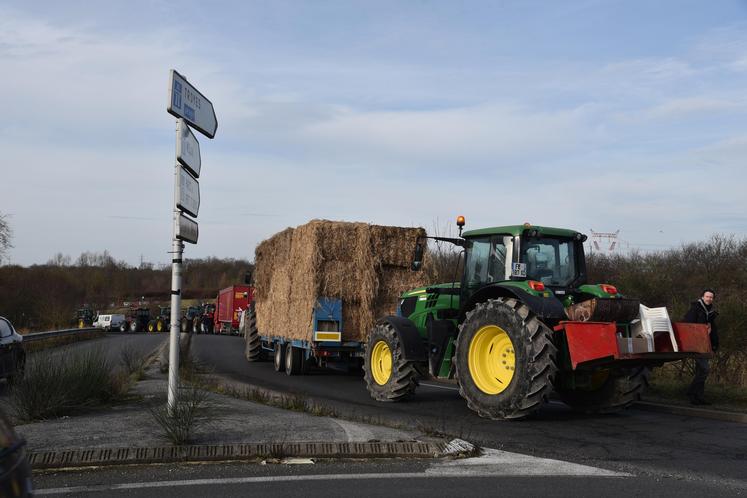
[(229, 304)]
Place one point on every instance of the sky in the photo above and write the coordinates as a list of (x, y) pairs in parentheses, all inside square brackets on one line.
[(591, 115)]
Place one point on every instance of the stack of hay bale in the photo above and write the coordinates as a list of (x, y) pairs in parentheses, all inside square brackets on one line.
[(367, 266)]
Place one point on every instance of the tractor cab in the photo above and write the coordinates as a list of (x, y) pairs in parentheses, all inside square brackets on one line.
[(533, 259)]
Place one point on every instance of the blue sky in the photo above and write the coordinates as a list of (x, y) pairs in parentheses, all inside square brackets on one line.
[(591, 115)]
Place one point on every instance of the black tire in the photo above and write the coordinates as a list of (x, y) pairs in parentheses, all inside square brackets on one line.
[(617, 392), (124, 327), (293, 360), (151, 326), (253, 349), (279, 357), (133, 326), (161, 326), (534, 353), (403, 380)]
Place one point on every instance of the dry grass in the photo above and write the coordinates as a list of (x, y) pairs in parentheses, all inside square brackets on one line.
[(669, 385), (55, 342), (191, 411), (58, 384)]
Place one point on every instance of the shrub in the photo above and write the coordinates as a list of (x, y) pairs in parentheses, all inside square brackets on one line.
[(59, 383), (190, 412)]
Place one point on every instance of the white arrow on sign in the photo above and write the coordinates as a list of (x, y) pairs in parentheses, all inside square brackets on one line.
[(188, 148), (186, 102), (187, 193), (187, 230)]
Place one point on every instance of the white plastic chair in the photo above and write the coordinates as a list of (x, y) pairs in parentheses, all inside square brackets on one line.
[(652, 321)]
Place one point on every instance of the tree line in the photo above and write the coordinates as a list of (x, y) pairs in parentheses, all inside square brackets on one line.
[(45, 297)]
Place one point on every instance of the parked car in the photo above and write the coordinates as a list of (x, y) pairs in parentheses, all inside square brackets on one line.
[(12, 355), (109, 322)]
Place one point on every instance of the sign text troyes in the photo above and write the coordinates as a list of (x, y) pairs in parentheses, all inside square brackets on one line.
[(188, 103)]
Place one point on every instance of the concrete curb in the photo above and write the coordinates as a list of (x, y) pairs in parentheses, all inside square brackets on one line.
[(245, 451), (740, 418)]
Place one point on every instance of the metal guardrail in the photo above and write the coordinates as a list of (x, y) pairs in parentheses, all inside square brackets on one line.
[(38, 336)]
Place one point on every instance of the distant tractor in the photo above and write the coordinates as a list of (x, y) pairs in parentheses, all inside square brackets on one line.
[(138, 319), (189, 317), (523, 322), (84, 318), (162, 321), (205, 322), (230, 302)]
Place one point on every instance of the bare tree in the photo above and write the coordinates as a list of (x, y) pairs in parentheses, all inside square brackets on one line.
[(6, 235)]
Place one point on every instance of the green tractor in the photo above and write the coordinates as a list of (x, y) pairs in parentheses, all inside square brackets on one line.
[(162, 321), (189, 316), (522, 323), (83, 318)]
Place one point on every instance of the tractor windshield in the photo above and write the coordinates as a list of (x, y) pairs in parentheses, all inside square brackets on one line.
[(488, 260), (549, 260)]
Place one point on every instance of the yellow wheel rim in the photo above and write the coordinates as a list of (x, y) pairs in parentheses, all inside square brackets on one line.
[(381, 363), (159, 326), (150, 327), (492, 360), (81, 324)]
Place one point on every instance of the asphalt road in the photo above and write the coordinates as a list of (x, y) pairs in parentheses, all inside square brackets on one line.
[(646, 444), (424, 478)]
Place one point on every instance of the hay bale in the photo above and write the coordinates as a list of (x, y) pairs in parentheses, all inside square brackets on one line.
[(367, 266)]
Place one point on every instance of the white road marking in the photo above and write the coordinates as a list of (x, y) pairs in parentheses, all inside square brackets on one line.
[(503, 463), (440, 387), (493, 463)]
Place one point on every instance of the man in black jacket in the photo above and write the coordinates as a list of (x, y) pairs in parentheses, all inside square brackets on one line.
[(701, 311)]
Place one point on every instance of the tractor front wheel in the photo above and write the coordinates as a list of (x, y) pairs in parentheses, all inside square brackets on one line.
[(608, 392), (123, 327), (151, 326), (389, 377), (505, 360)]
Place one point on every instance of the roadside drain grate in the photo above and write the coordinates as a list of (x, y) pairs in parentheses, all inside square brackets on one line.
[(245, 451)]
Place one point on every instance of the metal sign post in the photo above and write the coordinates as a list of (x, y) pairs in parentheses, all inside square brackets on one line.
[(191, 108)]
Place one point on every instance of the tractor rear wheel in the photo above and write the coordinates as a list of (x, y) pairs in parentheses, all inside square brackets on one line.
[(612, 392), (253, 349), (279, 357), (505, 360), (389, 377), (160, 326)]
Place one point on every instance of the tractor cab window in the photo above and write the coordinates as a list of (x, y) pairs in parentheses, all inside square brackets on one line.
[(488, 260), (550, 261)]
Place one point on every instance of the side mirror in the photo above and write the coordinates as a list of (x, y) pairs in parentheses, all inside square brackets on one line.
[(417, 259), (248, 277)]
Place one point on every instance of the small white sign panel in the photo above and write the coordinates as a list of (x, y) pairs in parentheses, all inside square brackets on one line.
[(519, 270), (186, 102), (187, 230), (187, 193), (188, 149)]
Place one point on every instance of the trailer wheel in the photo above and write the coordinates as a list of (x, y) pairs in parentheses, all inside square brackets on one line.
[(617, 391), (388, 376), (253, 349), (505, 360), (279, 357), (293, 360)]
